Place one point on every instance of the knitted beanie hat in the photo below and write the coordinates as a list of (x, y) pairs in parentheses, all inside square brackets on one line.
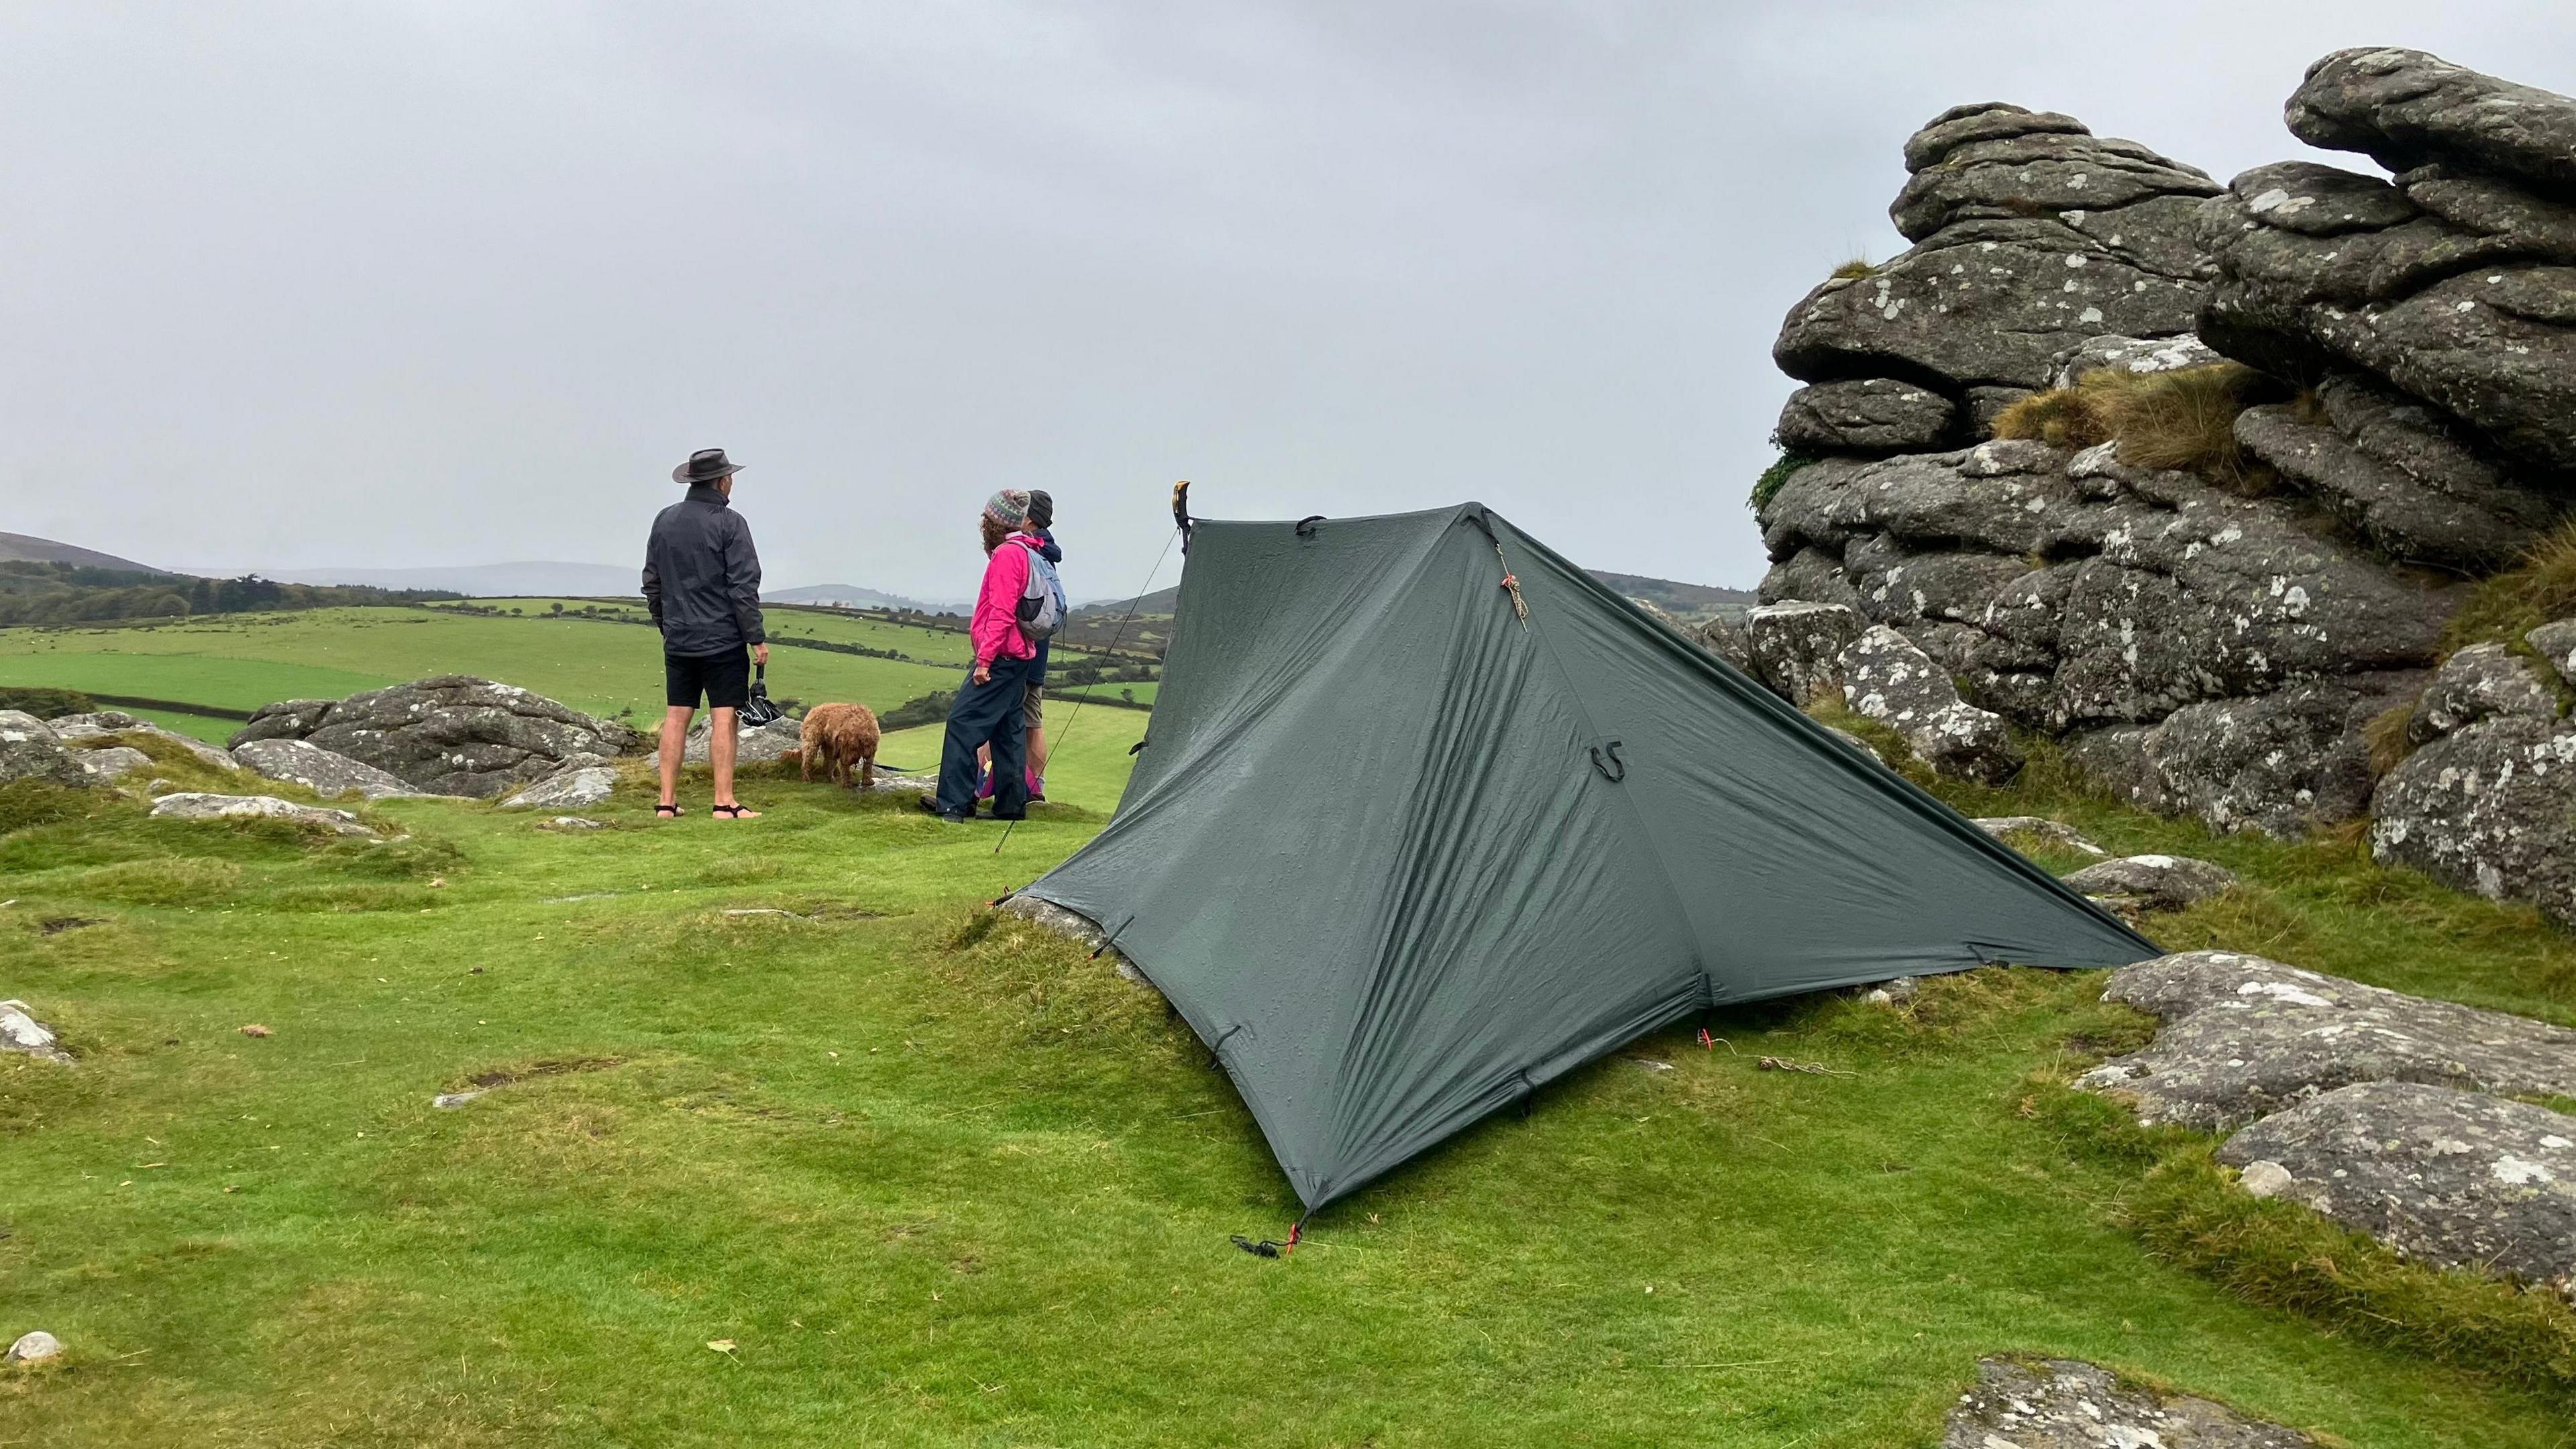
[(1008, 507)]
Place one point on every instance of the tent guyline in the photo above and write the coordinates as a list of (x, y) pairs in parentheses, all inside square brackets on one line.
[(1401, 859)]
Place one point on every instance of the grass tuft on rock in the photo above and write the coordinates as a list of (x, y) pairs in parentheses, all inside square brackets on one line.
[(2184, 420), (2505, 606), (1767, 486), (1854, 270)]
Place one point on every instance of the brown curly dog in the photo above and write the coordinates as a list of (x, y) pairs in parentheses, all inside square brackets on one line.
[(839, 736)]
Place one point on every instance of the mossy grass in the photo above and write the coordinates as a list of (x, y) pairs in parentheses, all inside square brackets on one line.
[(926, 1174), (2183, 419), (2505, 606), (1767, 486)]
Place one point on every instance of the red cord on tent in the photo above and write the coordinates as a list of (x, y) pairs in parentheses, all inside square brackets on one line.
[(1707, 1043), (1296, 1230)]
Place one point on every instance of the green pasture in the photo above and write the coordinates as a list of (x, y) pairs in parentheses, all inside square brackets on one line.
[(892, 1169), (931, 646), (245, 660)]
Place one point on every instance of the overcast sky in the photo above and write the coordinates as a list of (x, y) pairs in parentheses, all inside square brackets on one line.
[(344, 284)]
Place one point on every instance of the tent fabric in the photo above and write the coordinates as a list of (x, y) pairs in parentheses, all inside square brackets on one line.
[(1380, 854)]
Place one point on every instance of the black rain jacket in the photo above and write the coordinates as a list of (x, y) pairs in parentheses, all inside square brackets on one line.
[(702, 577)]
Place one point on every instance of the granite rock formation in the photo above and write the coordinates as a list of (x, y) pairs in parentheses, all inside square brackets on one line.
[(2207, 642), (452, 735)]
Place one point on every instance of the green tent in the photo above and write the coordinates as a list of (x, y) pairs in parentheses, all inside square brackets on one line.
[(1401, 856)]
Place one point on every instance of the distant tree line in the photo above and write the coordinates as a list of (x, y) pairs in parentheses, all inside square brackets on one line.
[(59, 593)]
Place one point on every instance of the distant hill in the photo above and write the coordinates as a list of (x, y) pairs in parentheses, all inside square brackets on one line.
[(22, 548), (851, 596), (501, 580), (1687, 601)]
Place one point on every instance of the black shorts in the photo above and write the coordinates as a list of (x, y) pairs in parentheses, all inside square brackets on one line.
[(725, 679)]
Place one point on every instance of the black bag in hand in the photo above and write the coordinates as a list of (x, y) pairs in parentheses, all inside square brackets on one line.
[(759, 711)]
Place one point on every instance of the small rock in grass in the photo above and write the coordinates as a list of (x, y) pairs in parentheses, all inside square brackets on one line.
[(2068, 1404), (35, 1347), (255, 1029), (453, 1100), (587, 785), (1892, 992), (2039, 828), (2265, 1178), (21, 1032), (2161, 882), (571, 822), (197, 805), (114, 762)]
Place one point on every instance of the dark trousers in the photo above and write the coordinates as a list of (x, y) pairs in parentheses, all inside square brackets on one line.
[(988, 714)]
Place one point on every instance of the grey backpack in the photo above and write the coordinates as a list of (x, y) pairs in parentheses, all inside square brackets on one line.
[(1042, 602)]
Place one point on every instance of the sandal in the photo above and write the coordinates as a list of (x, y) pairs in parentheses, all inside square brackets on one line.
[(734, 812), (666, 812)]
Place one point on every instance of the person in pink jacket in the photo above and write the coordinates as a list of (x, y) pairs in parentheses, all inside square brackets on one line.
[(990, 703)]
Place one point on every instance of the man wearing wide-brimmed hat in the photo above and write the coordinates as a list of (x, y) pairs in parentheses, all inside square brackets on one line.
[(702, 582)]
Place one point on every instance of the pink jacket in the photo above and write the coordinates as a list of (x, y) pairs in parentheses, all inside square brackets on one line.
[(995, 628)]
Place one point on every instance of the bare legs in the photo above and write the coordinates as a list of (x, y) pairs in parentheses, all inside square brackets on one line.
[(675, 740), (721, 741)]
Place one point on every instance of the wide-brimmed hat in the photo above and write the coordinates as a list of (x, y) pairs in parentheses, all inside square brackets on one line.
[(705, 465)]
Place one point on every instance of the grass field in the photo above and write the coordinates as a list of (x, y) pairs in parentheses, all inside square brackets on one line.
[(897, 1171), (244, 661)]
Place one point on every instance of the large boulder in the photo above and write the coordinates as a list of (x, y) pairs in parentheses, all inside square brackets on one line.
[(2068, 1404), (2400, 475), (2448, 1178), (30, 750), (1797, 648), (1887, 679), (2405, 108), (197, 805), (2244, 1038), (1864, 415), (452, 735), (321, 771), (2031, 236), (2218, 653), (775, 740), (2281, 763), (2479, 682), (2323, 271), (2491, 808)]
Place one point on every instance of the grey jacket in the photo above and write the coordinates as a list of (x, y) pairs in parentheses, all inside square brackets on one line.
[(702, 577)]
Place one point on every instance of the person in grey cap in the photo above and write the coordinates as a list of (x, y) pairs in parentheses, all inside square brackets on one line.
[(702, 583), (990, 704)]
